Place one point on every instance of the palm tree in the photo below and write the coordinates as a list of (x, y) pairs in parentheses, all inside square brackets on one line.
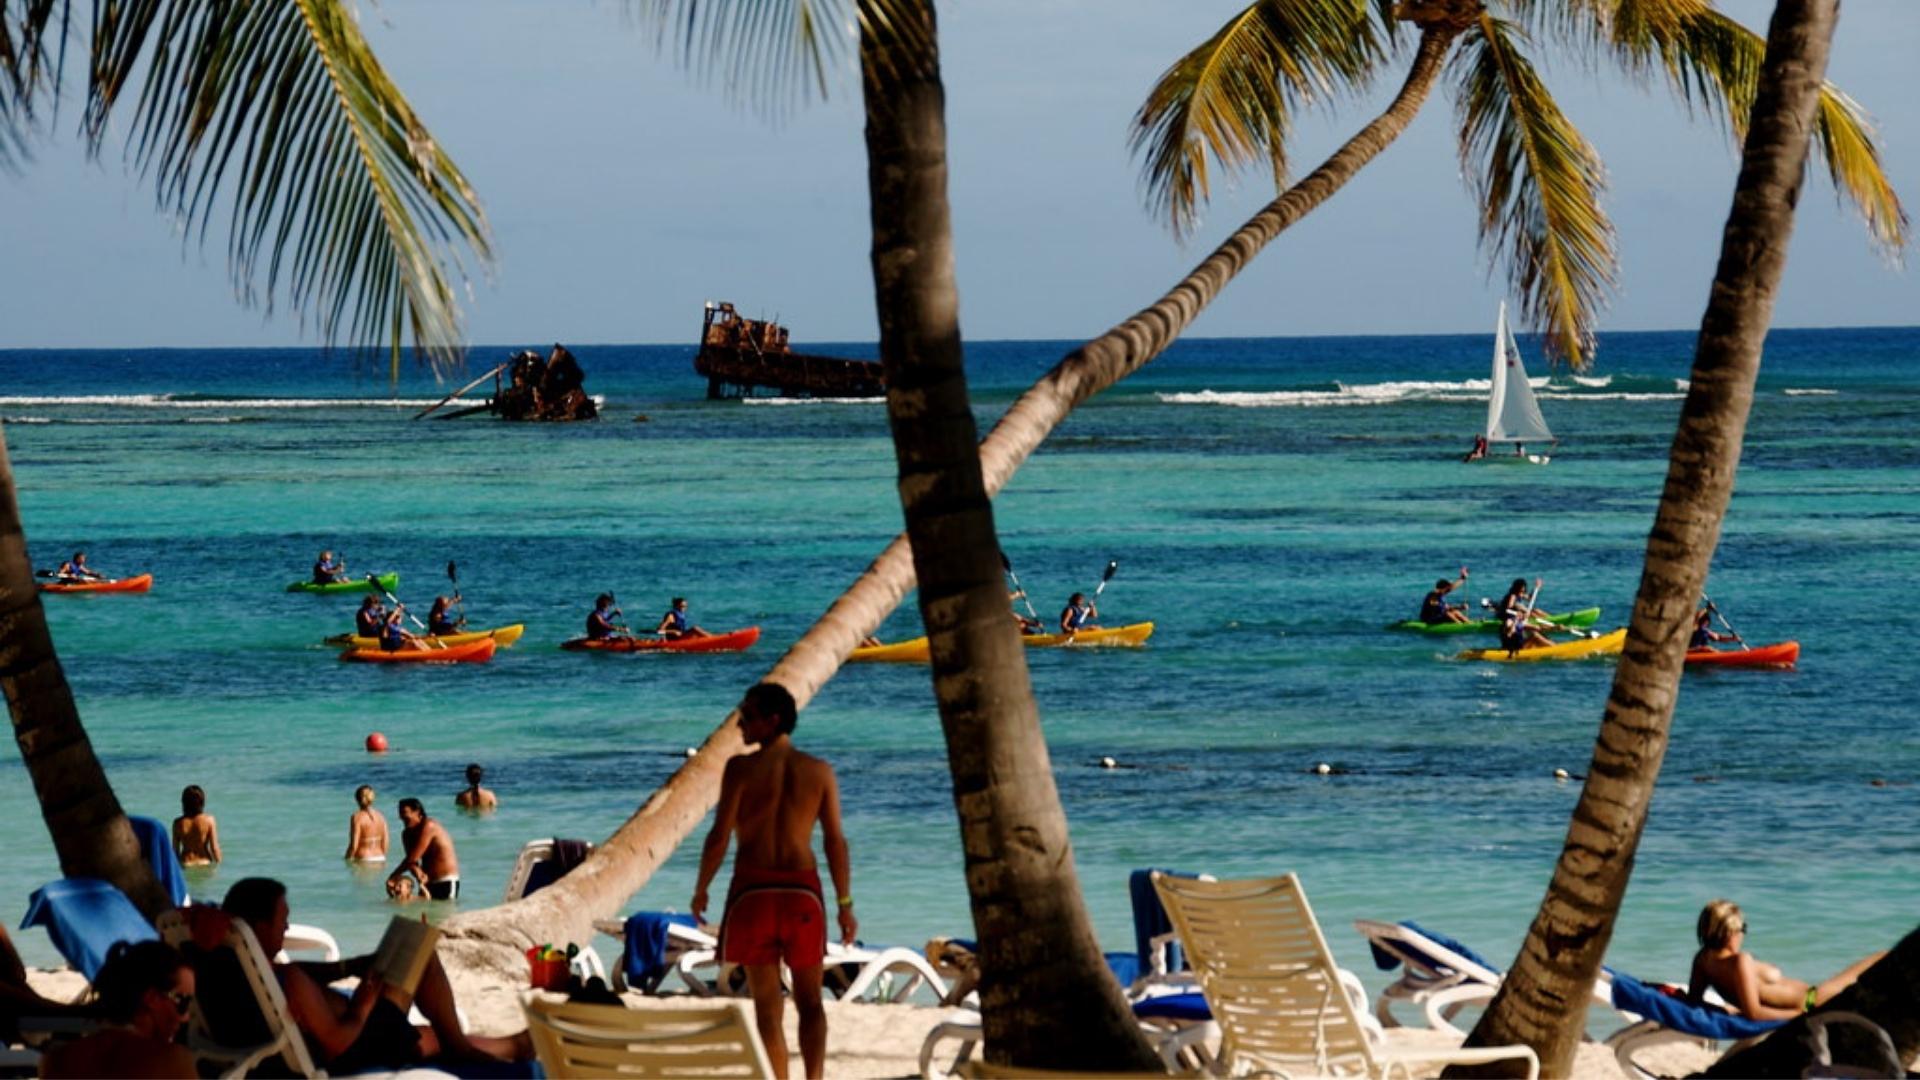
[(1542, 1001), (340, 200)]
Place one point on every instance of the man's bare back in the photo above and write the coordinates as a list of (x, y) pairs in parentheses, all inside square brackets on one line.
[(429, 846), (775, 825)]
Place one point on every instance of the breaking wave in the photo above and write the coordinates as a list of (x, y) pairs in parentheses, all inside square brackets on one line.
[(1557, 388), (194, 401)]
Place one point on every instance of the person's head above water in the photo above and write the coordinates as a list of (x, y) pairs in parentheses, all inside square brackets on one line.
[(363, 795), (475, 773), (193, 800), (1721, 921), (769, 702), (412, 812)]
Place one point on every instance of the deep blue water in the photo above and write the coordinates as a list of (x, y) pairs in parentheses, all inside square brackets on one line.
[(1272, 503)]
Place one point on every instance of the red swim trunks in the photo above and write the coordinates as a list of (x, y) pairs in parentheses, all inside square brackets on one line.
[(774, 916)]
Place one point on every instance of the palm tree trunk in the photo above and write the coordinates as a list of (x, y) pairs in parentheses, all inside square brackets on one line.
[(494, 939), (1047, 998), (1543, 1000), (1885, 995), (90, 832)]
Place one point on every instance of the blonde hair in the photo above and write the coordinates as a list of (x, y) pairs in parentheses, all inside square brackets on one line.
[(363, 795), (1720, 920)]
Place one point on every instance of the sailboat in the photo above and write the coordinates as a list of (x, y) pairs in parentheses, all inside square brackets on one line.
[(1513, 416)]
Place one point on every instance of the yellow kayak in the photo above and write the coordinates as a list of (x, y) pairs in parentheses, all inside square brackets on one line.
[(1604, 645), (916, 650), (502, 636)]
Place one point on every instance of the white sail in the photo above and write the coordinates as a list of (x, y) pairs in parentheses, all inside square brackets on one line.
[(1512, 413)]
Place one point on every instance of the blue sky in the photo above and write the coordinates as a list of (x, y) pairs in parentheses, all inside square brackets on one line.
[(623, 192)]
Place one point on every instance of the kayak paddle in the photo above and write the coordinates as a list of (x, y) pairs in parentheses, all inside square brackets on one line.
[(432, 642), (453, 575), (1007, 564), (1723, 619), (1113, 566)]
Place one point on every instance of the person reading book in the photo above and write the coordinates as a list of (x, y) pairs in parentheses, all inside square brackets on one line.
[(369, 1030)]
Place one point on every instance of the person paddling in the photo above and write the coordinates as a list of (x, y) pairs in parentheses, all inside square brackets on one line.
[(77, 570), (394, 635), (1517, 628), (370, 618), (1434, 607), (328, 570), (600, 624), (675, 624), (1078, 614), (440, 620), (1704, 635)]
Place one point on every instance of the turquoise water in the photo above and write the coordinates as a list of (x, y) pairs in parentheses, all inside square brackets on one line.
[(1272, 503)]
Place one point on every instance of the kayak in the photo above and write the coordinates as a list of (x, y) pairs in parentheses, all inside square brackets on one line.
[(1605, 645), (1781, 654), (129, 584), (917, 649), (732, 641), (1582, 617), (389, 582), (473, 652), (503, 636)]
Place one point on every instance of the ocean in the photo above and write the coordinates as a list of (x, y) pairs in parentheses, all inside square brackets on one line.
[(1272, 503)]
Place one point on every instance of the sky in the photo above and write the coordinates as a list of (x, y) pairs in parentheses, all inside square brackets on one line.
[(624, 191)]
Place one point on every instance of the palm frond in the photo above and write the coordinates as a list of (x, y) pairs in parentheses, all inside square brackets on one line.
[(1538, 183), (1231, 98), (769, 53), (340, 198), (28, 68), (1713, 62)]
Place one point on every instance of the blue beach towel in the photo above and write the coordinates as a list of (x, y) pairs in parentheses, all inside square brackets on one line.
[(156, 844), (1679, 1014), (1150, 919), (1386, 961), (1190, 1007), (85, 917), (645, 962)]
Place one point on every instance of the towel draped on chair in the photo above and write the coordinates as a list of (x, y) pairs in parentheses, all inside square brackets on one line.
[(645, 960), (85, 917)]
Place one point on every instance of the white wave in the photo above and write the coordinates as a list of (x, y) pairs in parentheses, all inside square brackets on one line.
[(26, 420), (215, 420), (1384, 393), (168, 401), (1809, 392), (1594, 381), (1564, 396), (813, 401), (1683, 385)]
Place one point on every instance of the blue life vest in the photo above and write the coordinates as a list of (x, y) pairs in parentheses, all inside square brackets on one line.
[(598, 625), (1077, 616), (1434, 608), (392, 635), (677, 621), (1702, 639)]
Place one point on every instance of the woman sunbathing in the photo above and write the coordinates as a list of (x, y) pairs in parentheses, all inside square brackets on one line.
[(1758, 990)]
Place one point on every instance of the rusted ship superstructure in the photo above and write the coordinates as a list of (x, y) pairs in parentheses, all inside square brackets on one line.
[(527, 387), (744, 357)]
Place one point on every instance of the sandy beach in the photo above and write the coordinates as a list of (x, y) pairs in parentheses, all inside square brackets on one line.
[(871, 1041)]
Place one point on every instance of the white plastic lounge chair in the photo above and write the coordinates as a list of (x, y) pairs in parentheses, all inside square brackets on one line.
[(283, 1037), (1669, 1019), (1281, 1002), (886, 975), (573, 1040), (303, 938), (532, 872)]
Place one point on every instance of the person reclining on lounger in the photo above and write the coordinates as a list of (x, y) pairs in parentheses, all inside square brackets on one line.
[(774, 909), (368, 1031), (1434, 607), (1758, 990)]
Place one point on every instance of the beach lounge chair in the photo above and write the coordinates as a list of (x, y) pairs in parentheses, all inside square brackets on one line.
[(1669, 1018), (239, 1018), (543, 862), (85, 917), (1281, 1002), (575, 1040), (656, 943)]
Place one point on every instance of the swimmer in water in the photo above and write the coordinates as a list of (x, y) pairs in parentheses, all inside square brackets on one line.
[(366, 829)]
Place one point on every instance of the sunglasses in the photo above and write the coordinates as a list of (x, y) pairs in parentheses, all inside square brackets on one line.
[(181, 1002)]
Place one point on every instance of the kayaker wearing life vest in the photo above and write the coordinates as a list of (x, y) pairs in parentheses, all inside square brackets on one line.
[(394, 634), (1435, 609), (600, 624), (1516, 601), (76, 569), (1516, 630), (370, 618), (1704, 634), (1078, 614), (440, 620), (328, 570), (675, 624)]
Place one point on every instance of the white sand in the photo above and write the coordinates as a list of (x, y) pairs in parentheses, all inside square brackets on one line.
[(884, 1040)]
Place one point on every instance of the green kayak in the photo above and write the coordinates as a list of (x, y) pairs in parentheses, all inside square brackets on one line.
[(389, 582), (1583, 617)]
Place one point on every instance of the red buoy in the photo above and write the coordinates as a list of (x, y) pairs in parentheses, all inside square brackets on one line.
[(376, 743)]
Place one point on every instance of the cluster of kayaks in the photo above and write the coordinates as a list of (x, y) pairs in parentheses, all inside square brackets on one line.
[(917, 650), (1583, 618), (1778, 655), (140, 583)]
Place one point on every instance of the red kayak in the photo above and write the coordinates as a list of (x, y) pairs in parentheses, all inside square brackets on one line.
[(1782, 654), (474, 652), (733, 641), (130, 584)]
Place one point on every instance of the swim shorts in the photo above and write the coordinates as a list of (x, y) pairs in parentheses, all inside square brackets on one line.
[(444, 889), (774, 916)]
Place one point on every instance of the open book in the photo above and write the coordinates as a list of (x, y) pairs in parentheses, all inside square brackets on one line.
[(404, 951)]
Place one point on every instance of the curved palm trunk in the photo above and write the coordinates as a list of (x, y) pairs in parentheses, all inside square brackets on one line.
[(1047, 998), (1543, 1000), (564, 911), (90, 832)]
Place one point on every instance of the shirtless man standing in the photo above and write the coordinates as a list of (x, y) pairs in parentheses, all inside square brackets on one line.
[(196, 836), (476, 798), (366, 830), (774, 909), (429, 851)]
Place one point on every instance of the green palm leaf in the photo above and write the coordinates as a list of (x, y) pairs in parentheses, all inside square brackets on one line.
[(1714, 62), (26, 70), (340, 198), (1232, 97), (1538, 183)]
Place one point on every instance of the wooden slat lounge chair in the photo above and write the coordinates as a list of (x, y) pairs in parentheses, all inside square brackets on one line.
[(606, 1040), (1281, 1002)]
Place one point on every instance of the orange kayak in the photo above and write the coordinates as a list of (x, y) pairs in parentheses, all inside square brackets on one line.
[(1780, 654), (474, 652), (733, 641), (130, 584)]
